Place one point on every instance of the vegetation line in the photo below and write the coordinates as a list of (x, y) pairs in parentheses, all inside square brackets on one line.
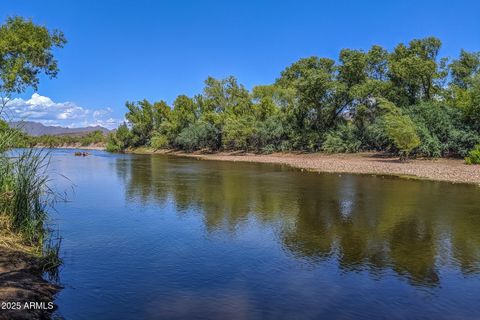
[(409, 101)]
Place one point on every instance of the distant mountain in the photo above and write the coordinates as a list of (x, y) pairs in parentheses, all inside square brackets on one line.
[(37, 129)]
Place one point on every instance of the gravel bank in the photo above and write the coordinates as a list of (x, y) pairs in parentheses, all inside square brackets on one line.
[(451, 170)]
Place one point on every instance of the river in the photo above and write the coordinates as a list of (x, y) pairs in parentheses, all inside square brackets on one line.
[(153, 237)]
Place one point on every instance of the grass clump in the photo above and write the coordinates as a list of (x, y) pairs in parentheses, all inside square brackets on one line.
[(25, 196), (473, 156)]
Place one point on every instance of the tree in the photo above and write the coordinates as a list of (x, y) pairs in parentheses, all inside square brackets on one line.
[(26, 51), (144, 117), (120, 139), (319, 99), (465, 68), (198, 135), (414, 71), (465, 87), (401, 130), (225, 95), (185, 112), (380, 100), (469, 102)]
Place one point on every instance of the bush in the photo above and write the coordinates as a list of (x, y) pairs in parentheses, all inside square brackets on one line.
[(198, 135), (342, 140), (401, 130), (271, 135), (461, 141), (92, 138), (429, 146), (441, 130), (374, 136), (248, 133), (159, 141), (111, 146), (473, 156), (269, 149), (239, 133), (120, 139)]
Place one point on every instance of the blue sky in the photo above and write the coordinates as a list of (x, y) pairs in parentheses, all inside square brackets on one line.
[(130, 50)]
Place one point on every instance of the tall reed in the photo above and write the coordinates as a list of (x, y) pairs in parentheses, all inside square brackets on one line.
[(25, 196)]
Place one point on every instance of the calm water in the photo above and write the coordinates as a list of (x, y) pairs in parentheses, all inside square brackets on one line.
[(153, 237)]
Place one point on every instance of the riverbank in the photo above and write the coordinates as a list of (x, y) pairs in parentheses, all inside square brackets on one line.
[(96, 146), (21, 281), (449, 170)]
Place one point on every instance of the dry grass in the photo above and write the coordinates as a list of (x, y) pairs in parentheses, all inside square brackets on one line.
[(13, 240)]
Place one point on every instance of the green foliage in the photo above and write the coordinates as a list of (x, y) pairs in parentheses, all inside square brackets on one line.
[(58, 141), (374, 136), (144, 117), (414, 71), (111, 145), (396, 101), (441, 130), (401, 130), (469, 102), (342, 140), (462, 141), (238, 132), (159, 141), (92, 138), (120, 139), (430, 145), (198, 135), (271, 134), (27, 207), (11, 138), (465, 68), (473, 156), (24, 198), (26, 52)]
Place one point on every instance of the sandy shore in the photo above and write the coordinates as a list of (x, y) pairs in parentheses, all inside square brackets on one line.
[(450, 170)]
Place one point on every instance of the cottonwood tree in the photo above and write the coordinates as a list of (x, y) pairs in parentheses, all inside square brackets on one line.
[(26, 52)]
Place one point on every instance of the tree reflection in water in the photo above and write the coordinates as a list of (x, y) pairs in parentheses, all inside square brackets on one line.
[(362, 222)]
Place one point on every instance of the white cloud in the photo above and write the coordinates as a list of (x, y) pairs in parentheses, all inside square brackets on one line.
[(66, 114)]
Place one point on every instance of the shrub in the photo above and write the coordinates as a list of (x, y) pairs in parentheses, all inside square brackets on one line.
[(342, 140), (429, 146), (374, 136), (239, 133), (92, 138), (198, 135), (473, 156), (441, 130), (159, 141), (120, 139), (111, 146), (461, 141), (269, 149), (270, 134), (401, 130)]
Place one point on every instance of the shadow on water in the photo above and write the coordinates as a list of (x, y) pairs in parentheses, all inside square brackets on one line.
[(371, 224)]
